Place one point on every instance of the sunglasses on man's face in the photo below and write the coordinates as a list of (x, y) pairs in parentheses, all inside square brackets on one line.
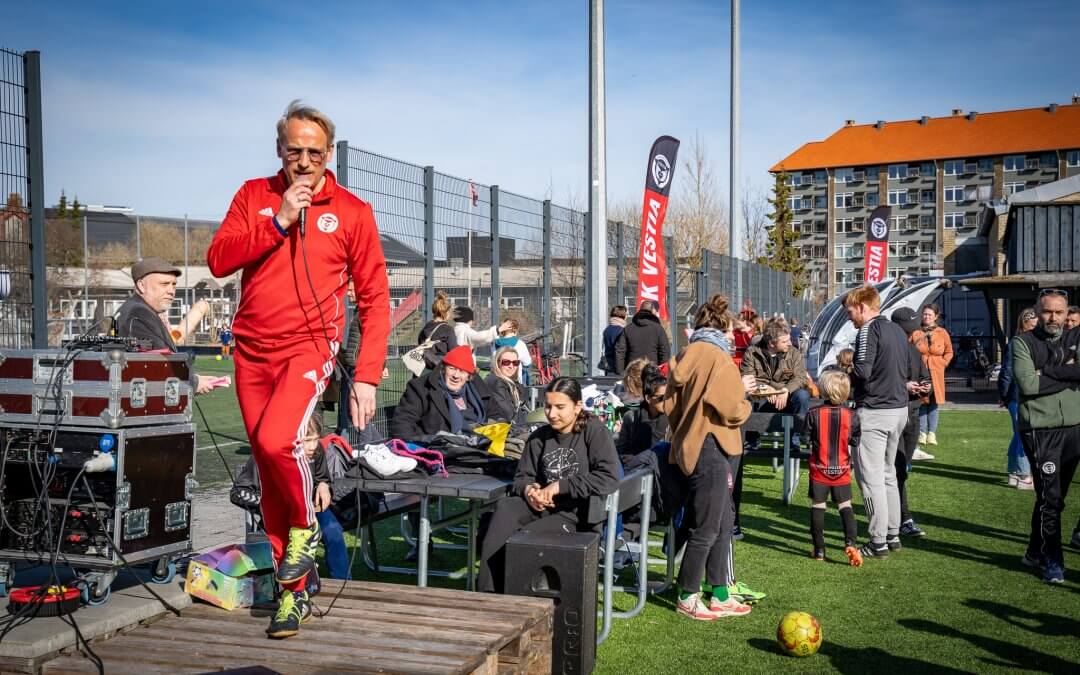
[(506, 363), (1054, 291)]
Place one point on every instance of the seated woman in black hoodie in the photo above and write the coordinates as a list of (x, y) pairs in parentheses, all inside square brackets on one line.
[(446, 399), (509, 397), (565, 462), (645, 425)]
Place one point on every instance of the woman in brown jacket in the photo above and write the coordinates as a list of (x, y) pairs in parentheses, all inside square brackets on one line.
[(935, 345), (706, 404)]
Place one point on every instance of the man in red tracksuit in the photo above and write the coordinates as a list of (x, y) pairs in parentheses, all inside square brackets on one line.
[(287, 337)]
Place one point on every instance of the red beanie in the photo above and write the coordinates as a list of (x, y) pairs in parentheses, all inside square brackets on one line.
[(461, 357)]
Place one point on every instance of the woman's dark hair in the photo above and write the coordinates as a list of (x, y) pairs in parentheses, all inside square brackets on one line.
[(714, 314), (568, 386), (934, 308), (315, 422), (651, 380)]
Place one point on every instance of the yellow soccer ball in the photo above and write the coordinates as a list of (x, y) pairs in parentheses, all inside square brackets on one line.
[(799, 634)]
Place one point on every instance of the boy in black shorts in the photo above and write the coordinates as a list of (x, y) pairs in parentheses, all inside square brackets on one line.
[(833, 429)]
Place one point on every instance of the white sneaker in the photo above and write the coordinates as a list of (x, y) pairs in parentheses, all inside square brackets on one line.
[(384, 462), (695, 608), (1013, 479), (931, 438), (921, 455), (922, 438), (1025, 483)]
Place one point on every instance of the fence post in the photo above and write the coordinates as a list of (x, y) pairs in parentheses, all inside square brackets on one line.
[(703, 277), (545, 304), (672, 291), (496, 286), (620, 275), (429, 241), (36, 174), (592, 276)]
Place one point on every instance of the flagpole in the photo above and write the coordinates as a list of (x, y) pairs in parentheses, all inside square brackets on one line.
[(597, 264)]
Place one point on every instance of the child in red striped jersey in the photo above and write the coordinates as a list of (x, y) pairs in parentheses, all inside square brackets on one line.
[(833, 429)]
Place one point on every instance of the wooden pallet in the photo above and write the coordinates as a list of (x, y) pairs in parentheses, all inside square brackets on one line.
[(373, 628)]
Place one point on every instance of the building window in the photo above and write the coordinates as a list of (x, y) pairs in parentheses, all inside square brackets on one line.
[(843, 200), (806, 252), (896, 222), (1072, 158), (872, 198), (912, 224), (954, 193), (820, 228), (1031, 163), (1049, 159), (819, 252), (953, 220), (986, 165), (926, 196), (928, 169), (954, 167), (1014, 162), (895, 248), (898, 197), (821, 202), (895, 272), (926, 222), (844, 175), (971, 220), (858, 276), (799, 203), (859, 224), (926, 247), (844, 225), (898, 171), (513, 303), (797, 179), (971, 167), (843, 276), (1014, 187), (821, 177)]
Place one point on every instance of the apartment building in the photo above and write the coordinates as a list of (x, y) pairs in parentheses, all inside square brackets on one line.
[(935, 173)]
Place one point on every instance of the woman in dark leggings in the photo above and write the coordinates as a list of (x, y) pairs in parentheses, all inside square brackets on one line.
[(705, 402)]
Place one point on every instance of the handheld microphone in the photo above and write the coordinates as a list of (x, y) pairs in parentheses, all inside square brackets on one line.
[(303, 220)]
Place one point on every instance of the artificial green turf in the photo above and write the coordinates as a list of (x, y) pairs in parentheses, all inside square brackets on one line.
[(956, 601)]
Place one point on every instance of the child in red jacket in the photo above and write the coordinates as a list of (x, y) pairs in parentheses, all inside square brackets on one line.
[(833, 429)]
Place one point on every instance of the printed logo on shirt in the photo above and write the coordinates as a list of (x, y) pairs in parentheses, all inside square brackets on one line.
[(1049, 468), (268, 212), (327, 223), (312, 375), (560, 463)]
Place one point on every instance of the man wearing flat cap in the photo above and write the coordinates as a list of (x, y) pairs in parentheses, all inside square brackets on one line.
[(143, 315)]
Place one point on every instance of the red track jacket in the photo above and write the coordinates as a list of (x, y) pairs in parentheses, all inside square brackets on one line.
[(276, 306)]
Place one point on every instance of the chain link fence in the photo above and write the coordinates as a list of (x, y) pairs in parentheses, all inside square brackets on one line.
[(16, 276)]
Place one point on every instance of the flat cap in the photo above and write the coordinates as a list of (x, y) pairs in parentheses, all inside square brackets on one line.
[(152, 265)]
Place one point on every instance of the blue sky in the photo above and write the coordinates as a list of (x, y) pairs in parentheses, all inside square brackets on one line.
[(168, 107)]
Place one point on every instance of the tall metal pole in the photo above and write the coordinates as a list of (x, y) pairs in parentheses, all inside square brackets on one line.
[(138, 238), (598, 260), (36, 165), (85, 272), (733, 215), (187, 275)]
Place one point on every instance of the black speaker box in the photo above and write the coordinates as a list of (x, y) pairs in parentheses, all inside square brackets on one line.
[(561, 566)]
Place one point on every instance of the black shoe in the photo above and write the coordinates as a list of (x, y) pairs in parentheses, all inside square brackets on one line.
[(893, 543), (737, 533), (299, 554), (872, 550), (294, 609), (818, 554), (908, 528)]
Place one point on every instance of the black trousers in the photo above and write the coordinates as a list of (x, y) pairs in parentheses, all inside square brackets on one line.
[(706, 494), (909, 440), (511, 515), (1054, 454)]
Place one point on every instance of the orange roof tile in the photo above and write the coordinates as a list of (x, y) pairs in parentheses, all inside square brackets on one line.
[(994, 133)]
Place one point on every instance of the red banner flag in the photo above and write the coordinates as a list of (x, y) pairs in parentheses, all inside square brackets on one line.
[(652, 263), (877, 246)]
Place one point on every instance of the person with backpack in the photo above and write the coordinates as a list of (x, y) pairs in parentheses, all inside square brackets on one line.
[(614, 330)]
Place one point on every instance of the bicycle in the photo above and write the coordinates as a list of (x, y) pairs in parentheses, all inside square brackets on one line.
[(549, 365)]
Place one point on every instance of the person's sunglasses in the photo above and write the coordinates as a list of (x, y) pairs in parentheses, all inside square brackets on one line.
[(506, 363), (315, 155), (1054, 291)]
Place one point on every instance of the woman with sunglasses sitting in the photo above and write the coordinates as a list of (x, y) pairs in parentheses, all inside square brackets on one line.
[(509, 398), (644, 425)]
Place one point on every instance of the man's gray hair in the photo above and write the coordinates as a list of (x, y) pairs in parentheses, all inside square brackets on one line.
[(774, 330), (298, 110)]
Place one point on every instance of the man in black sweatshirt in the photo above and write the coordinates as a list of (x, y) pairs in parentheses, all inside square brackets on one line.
[(643, 336), (881, 395)]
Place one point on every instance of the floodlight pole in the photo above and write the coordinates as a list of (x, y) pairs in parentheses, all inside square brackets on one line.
[(734, 209), (596, 266)]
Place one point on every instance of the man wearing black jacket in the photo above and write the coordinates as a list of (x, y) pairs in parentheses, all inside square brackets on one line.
[(881, 384), (643, 336), (909, 321)]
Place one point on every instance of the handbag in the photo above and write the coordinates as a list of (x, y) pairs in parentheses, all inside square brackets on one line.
[(414, 359)]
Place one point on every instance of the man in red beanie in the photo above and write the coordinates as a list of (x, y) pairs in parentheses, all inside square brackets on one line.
[(299, 237), (445, 399)]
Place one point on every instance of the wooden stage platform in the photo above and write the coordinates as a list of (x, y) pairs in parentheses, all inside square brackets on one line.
[(373, 628)]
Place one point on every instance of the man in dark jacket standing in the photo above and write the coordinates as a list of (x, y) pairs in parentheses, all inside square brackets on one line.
[(614, 331), (143, 315), (643, 337), (881, 396), (906, 450)]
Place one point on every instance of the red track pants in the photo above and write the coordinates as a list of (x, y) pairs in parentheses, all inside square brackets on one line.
[(278, 390)]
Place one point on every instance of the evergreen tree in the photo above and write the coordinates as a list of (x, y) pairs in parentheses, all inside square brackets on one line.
[(62, 207), (780, 250)]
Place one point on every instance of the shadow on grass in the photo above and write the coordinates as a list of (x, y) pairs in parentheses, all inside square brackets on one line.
[(1040, 623), (934, 520), (1008, 654), (870, 659), (965, 474)]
